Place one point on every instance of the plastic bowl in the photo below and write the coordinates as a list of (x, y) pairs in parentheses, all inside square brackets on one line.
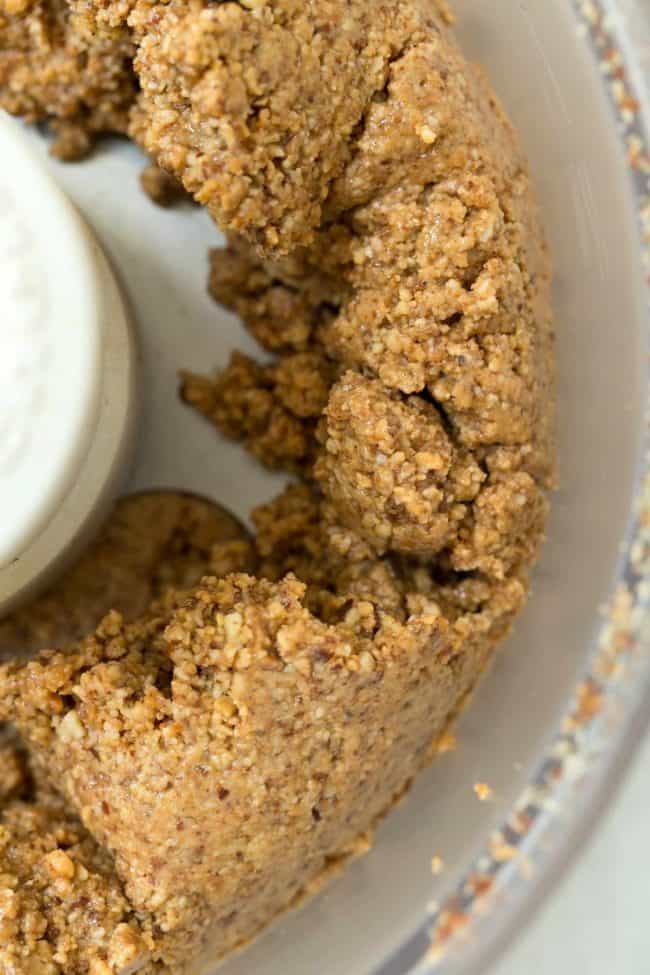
[(552, 726)]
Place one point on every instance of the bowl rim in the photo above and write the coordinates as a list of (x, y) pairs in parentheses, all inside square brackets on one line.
[(609, 711)]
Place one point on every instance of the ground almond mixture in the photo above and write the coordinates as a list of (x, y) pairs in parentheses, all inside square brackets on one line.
[(219, 745), (151, 542)]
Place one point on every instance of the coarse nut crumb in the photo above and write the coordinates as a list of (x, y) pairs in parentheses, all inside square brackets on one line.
[(151, 542), (163, 189), (437, 866), (483, 792), (54, 69), (62, 907), (446, 743)]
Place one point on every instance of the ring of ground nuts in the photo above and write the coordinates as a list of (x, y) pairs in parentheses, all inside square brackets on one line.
[(384, 246)]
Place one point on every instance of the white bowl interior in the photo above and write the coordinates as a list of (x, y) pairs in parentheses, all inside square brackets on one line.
[(550, 84)]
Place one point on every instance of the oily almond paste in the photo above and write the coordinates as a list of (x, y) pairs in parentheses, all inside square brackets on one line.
[(197, 766)]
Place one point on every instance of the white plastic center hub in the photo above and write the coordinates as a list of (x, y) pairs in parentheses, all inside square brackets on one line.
[(66, 369), (50, 346)]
